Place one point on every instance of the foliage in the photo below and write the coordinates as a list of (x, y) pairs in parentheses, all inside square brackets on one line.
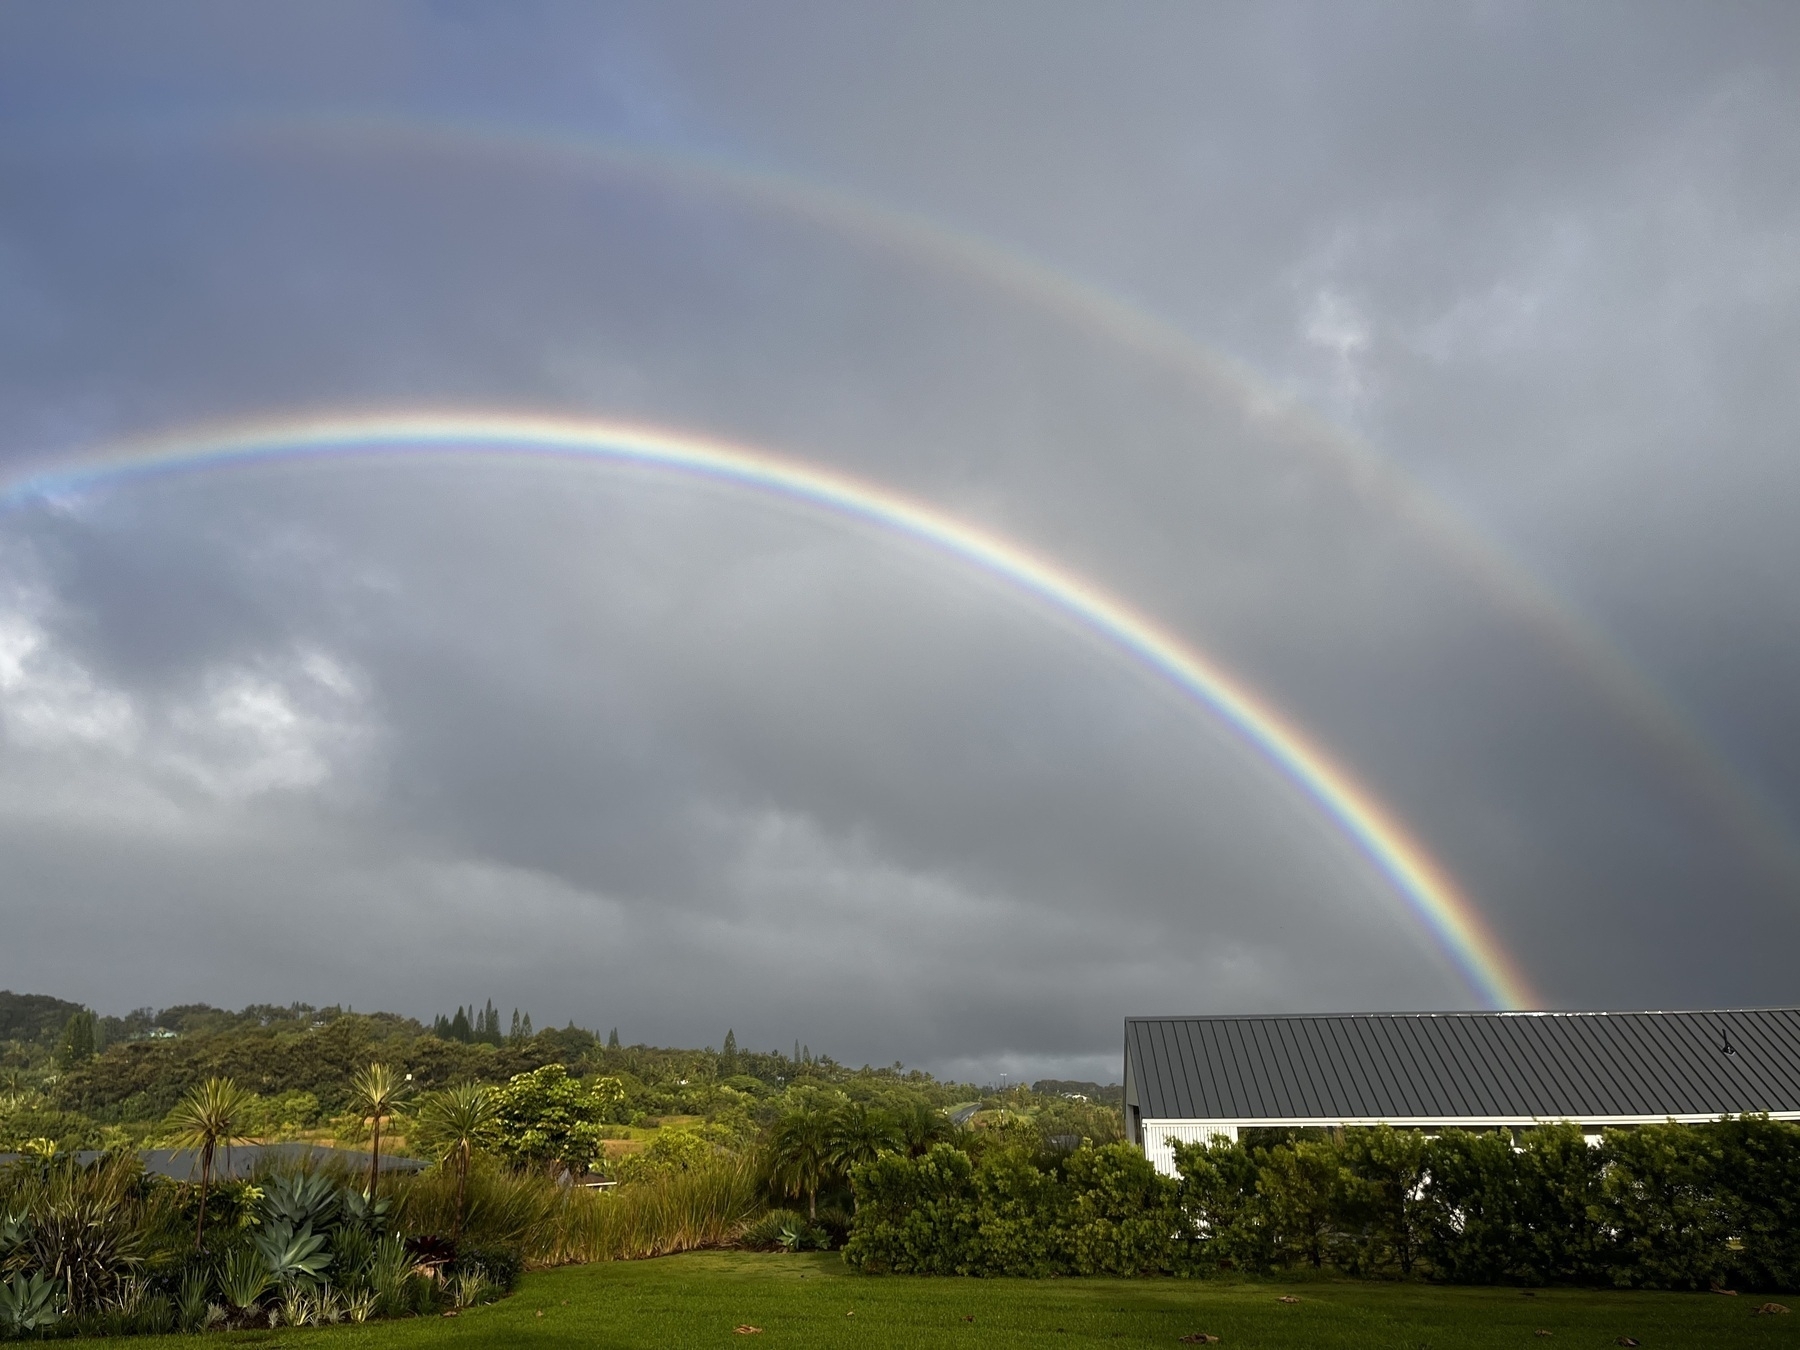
[(29, 1303), (800, 1153), (78, 1040), (1757, 1179), (777, 1230), (208, 1118), (245, 1278), (548, 1120), (376, 1093), (1382, 1196), (915, 1215), (454, 1124), (1661, 1202), (291, 1255), (672, 1150)]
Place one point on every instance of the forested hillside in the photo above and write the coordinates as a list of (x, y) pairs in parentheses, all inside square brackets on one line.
[(79, 1080)]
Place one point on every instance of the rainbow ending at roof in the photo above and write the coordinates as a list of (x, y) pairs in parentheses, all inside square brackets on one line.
[(1428, 890)]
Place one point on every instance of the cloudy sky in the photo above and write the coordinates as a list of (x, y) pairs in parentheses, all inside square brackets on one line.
[(1430, 368)]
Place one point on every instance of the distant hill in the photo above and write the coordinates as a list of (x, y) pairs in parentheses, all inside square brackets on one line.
[(1113, 1093), (30, 1017)]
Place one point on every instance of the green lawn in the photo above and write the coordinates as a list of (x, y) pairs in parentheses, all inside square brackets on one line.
[(697, 1300)]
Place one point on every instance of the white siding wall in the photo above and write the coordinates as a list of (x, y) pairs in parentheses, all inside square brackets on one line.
[(1161, 1136)]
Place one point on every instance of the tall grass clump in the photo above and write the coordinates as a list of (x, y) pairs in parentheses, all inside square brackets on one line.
[(706, 1205), (501, 1208)]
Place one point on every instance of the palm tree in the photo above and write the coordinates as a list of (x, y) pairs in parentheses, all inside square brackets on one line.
[(921, 1126), (207, 1119), (859, 1135), (457, 1121), (800, 1148), (376, 1093)]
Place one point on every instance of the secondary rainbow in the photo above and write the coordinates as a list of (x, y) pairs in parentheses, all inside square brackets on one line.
[(1425, 886)]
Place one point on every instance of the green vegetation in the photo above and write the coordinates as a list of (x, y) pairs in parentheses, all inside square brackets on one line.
[(810, 1301), (551, 1148), (1658, 1207)]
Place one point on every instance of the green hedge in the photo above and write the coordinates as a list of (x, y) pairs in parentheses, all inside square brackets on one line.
[(1660, 1206)]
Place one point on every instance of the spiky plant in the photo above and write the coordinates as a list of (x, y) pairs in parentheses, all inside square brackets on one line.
[(456, 1122), (377, 1093), (209, 1118), (29, 1303), (245, 1279)]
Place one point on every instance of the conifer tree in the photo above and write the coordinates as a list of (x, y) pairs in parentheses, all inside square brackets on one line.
[(527, 1032), (728, 1056), (612, 1041), (77, 1040)]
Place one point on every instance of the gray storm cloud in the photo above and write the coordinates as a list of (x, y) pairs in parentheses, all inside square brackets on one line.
[(636, 750)]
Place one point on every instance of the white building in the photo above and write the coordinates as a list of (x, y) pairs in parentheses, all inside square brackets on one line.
[(1193, 1078)]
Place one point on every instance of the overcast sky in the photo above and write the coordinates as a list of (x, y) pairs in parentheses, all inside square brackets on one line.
[(1459, 415)]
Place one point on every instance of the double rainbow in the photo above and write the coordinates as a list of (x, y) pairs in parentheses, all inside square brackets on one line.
[(1427, 889)]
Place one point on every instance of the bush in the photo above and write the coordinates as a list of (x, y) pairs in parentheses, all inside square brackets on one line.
[(499, 1265), (767, 1233), (1095, 1211)]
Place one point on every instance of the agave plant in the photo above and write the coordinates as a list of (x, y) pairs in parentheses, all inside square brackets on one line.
[(246, 1278), (291, 1255), (29, 1303), (301, 1198), (370, 1214), (14, 1230)]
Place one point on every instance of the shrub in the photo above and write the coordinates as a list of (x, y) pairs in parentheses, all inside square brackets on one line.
[(500, 1266), (765, 1234)]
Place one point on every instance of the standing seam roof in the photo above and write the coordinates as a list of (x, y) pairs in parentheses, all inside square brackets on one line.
[(1467, 1066)]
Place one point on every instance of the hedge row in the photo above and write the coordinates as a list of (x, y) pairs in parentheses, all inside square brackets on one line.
[(1661, 1206)]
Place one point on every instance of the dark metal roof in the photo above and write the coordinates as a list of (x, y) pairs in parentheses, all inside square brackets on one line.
[(1464, 1066)]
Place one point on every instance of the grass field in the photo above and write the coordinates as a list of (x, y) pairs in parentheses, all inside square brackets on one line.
[(813, 1301)]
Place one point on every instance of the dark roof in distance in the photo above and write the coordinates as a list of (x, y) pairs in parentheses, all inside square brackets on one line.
[(1465, 1066)]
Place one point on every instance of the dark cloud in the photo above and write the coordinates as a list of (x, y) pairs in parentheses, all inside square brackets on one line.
[(630, 749)]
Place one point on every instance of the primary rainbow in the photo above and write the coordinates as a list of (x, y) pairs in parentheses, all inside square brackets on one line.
[(1428, 890)]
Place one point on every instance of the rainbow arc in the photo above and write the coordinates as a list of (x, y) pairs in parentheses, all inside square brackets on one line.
[(1424, 884)]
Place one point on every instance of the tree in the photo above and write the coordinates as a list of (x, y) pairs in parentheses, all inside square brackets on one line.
[(1385, 1191), (77, 1044), (548, 1119), (799, 1151), (376, 1093), (612, 1039), (208, 1118), (728, 1056), (860, 1135), (1301, 1184), (921, 1125), (459, 1026), (453, 1124)]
